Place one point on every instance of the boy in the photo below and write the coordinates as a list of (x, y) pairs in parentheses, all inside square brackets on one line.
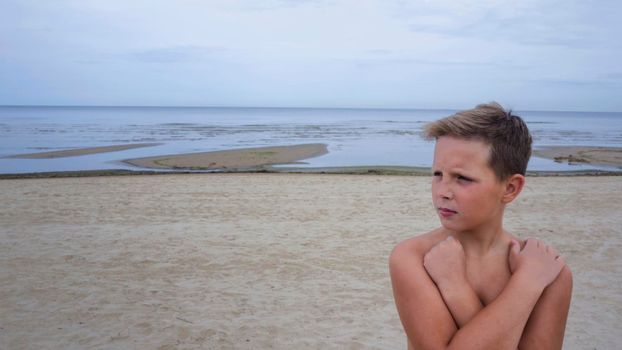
[(470, 284)]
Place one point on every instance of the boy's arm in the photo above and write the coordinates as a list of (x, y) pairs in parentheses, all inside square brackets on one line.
[(425, 318), (547, 323), (446, 265), (545, 328), (428, 323)]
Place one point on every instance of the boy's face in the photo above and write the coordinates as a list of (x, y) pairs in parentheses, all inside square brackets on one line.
[(465, 191)]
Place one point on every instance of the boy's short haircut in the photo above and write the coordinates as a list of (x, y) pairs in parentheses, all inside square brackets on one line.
[(507, 135)]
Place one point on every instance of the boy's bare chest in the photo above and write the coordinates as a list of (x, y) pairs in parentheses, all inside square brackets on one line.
[(488, 278)]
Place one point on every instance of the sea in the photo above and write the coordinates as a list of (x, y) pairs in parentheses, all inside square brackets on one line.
[(355, 137)]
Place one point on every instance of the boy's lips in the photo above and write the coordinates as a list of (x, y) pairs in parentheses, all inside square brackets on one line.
[(446, 212)]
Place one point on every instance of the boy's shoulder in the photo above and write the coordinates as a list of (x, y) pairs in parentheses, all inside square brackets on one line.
[(416, 247)]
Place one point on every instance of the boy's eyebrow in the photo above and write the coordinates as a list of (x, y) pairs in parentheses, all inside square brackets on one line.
[(457, 172)]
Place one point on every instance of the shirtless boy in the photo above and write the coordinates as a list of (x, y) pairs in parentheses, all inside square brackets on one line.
[(470, 284)]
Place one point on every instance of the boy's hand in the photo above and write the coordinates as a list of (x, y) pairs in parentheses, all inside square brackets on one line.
[(446, 263), (539, 262)]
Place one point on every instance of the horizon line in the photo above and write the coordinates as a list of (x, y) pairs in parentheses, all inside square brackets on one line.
[(282, 107)]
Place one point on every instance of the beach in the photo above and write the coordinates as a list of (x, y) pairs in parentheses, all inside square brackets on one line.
[(255, 261)]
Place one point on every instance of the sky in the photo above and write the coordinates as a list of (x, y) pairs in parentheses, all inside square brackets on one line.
[(527, 55)]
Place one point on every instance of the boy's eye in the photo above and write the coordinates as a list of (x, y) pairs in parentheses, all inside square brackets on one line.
[(437, 173), (464, 178)]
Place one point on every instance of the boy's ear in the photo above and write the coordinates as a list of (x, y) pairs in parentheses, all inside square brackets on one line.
[(513, 187)]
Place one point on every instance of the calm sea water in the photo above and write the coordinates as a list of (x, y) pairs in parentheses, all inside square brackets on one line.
[(354, 136)]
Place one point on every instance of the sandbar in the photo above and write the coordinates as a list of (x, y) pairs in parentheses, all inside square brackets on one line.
[(81, 151), (604, 156), (234, 159)]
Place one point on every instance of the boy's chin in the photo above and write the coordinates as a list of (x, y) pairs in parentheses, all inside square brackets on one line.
[(451, 226)]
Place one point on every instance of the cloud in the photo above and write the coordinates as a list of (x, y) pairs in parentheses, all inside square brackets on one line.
[(376, 56), (616, 76), (581, 83), (572, 24), (267, 5), (175, 54)]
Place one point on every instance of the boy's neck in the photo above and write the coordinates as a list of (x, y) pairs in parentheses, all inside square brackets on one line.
[(481, 241)]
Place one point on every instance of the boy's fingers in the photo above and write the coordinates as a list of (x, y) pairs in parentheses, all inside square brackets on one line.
[(537, 243), (515, 248)]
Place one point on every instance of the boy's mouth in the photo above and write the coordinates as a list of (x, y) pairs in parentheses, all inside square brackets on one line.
[(446, 212)]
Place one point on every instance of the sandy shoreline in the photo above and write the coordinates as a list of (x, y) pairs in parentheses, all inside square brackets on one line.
[(606, 156), (254, 261), (263, 159), (344, 170)]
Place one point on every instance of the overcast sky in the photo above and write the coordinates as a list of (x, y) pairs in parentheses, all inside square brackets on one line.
[(528, 55)]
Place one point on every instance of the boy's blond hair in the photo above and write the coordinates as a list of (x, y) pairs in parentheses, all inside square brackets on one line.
[(507, 135)]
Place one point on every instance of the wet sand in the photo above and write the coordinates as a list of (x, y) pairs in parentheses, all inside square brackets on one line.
[(605, 156), (256, 261), (264, 159), (81, 151), (235, 159)]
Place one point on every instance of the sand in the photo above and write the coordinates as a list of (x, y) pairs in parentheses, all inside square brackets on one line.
[(605, 156), (82, 151), (234, 159), (258, 261)]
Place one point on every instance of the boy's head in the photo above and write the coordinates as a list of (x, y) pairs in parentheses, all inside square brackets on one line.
[(505, 133)]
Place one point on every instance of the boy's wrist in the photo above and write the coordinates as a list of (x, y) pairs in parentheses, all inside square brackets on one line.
[(450, 289), (528, 282)]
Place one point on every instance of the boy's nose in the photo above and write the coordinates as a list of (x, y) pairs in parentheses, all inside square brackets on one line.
[(443, 190), (446, 192)]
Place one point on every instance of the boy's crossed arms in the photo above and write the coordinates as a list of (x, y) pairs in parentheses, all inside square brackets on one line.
[(441, 310)]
